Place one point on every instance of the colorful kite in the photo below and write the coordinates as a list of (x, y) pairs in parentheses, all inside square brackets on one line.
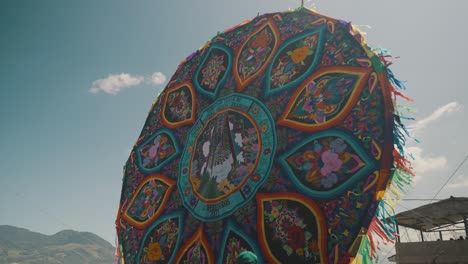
[(276, 137)]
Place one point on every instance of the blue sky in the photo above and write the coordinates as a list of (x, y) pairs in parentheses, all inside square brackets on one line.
[(76, 86)]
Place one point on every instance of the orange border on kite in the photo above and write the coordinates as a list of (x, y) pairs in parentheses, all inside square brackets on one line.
[(387, 152)]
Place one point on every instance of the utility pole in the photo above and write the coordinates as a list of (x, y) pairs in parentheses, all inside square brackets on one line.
[(466, 226)]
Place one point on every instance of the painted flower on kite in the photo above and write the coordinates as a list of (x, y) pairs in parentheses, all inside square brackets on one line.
[(154, 251), (338, 145), (296, 237), (213, 71), (329, 180), (261, 40), (233, 248), (331, 162), (274, 212), (299, 54)]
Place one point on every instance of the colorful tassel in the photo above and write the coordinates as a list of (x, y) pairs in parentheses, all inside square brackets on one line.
[(383, 227)]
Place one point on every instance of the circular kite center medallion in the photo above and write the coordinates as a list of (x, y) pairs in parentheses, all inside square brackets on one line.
[(228, 149), (228, 155)]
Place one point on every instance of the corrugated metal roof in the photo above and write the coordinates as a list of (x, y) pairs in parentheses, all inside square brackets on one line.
[(431, 216)]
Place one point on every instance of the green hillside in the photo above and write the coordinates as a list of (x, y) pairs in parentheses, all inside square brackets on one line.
[(21, 246)]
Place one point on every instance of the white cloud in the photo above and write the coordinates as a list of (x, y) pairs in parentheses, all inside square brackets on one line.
[(158, 78), (424, 163), (438, 113), (114, 83), (460, 181)]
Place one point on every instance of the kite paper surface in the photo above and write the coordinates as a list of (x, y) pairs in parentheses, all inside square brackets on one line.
[(276, 137)]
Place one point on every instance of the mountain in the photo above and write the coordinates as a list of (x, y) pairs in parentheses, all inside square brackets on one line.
[(21, 246)]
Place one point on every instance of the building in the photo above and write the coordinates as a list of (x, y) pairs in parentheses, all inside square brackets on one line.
[(442, 218)]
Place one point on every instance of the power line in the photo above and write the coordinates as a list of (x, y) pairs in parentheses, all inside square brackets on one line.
[(421, 199), (456, 170)]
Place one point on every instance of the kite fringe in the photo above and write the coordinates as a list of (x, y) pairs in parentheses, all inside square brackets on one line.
[(119, 259), (382, 229)]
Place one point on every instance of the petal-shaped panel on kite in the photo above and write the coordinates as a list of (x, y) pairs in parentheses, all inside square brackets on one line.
[(195, 250), (327, 163), (325, 98), (295, 60), (149, 201), (161, 241), (291, 228), (213, 70), (157, 151), (236, 241), (179, 107), (255, 54)]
